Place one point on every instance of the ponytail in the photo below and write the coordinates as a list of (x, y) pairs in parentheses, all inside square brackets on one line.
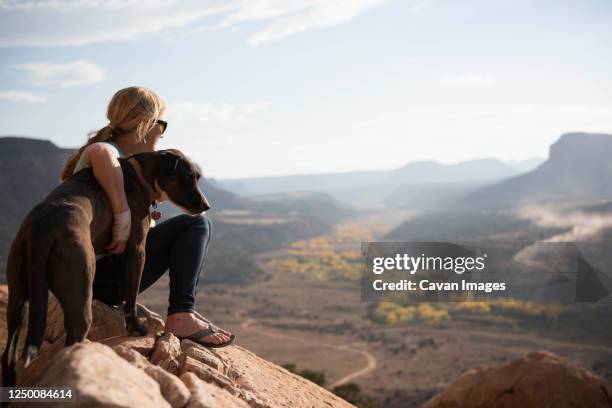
[(133, 110), (102, 135)]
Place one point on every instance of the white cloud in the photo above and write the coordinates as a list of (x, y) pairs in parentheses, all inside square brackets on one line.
[(66, 74), (20, 96), (79, 4), (90, 22), (81, 22), (467, 81), (249, 10), (317, 14), (208, 112)]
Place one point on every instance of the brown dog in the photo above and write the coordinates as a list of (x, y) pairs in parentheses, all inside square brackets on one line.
[(56, 244)]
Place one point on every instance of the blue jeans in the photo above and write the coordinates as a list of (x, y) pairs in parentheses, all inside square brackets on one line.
[(179, 245)]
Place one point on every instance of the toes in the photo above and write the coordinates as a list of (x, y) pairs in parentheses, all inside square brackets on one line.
[(216, 338), (219, 338), (225, 332), (225, 335)]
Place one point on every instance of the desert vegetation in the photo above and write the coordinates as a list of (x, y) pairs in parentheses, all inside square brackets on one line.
[(436, 313), (328, 257)]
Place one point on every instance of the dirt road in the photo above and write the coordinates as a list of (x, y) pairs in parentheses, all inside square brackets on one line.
[(250, 325)]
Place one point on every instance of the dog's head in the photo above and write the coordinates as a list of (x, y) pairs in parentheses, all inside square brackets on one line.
[(178, 178)]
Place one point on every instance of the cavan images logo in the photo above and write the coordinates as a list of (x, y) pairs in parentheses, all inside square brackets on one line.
[(444, 271)]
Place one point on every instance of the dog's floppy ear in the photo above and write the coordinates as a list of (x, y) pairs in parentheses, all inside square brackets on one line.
[(167, 162)]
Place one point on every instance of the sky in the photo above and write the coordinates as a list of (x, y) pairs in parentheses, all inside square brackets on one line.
[(280, 87)]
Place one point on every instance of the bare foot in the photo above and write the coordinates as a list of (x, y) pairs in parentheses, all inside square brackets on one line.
[(183, 324)]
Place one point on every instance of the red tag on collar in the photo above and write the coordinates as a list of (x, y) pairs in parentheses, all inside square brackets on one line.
[(156, 215)]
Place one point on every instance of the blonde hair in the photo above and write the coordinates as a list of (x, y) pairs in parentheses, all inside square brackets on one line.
[(133, 109)]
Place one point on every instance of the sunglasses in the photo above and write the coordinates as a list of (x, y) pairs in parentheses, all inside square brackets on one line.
[(163, 125)]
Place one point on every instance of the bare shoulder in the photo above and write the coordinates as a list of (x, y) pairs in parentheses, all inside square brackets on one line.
[(100, 149)]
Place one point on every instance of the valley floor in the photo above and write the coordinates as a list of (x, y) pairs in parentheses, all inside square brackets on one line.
[(324, 326)]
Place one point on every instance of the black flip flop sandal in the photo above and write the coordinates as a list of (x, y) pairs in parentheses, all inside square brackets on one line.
[(211, 329), (199, 316)]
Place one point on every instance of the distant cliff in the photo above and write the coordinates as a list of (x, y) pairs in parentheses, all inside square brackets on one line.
[(29, 168), (578, 169)]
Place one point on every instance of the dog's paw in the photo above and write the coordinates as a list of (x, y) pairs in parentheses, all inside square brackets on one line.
[(135, 328)]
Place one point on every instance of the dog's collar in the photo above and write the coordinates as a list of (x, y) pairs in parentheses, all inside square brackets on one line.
[(154, 192)]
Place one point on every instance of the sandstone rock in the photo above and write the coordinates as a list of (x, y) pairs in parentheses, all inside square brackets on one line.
[(100, 378), (166, 353), (540, 379), (173, 389), (108, 321), (153, 321), (264, 384), (206, 373), (255, 401), (205, 395), (121, 375), (143, 344), (47, 353), (204, 355)]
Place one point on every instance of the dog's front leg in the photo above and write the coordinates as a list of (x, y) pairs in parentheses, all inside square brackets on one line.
[(135, 258)]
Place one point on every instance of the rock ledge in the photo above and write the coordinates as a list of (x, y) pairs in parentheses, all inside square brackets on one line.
[(111, 369)]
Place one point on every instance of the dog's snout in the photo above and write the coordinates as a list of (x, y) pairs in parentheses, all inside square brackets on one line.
[(205, 205)]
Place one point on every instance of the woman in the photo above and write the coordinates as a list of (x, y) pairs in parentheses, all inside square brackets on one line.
[(178, 244)]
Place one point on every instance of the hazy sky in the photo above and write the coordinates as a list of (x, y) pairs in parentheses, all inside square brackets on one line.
[(276, 87)]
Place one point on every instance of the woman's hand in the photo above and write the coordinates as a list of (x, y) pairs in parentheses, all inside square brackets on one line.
[(108, 173), (122, 223)]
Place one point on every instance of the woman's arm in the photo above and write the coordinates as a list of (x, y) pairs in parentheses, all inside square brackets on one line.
[(107, 171)]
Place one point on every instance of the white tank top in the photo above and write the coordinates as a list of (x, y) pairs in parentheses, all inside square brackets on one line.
[(82, 163)]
